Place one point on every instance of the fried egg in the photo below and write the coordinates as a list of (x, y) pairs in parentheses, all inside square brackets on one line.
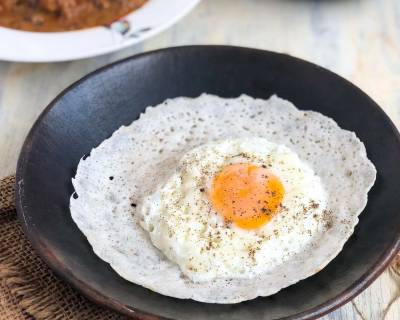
[(222, 200), (235, 209)]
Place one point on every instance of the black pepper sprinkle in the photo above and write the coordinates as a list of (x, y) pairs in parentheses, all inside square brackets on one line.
[(349, 173), (202, 189), (265, 211), (328, 224), (111, 178), (313, 204), (133, 205)]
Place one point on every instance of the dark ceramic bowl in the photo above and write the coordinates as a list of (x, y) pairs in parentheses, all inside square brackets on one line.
[(90, 110)]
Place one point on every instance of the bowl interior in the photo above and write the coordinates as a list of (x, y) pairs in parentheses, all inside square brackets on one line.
[(90, 110)]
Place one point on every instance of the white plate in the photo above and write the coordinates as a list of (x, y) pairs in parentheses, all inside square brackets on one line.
[(154, 17)]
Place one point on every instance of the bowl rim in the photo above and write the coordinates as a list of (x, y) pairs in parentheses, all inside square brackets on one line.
[(312, 313)]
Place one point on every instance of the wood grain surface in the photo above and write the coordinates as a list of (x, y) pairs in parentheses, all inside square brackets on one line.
[(358, 39)]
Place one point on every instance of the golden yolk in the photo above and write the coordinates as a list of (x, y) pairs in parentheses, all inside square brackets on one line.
[(246, 195)]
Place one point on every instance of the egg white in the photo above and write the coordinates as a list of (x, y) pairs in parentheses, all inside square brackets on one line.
[(183, 224)]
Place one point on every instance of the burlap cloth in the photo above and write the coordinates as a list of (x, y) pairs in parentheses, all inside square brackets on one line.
[(28, 288)]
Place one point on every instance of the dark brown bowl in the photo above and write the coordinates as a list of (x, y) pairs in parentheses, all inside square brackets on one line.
[(90, 110)]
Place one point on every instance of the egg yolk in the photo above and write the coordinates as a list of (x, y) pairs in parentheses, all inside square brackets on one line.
[(246, 195)]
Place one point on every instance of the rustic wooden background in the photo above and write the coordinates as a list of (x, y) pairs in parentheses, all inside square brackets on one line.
[(359, 39)]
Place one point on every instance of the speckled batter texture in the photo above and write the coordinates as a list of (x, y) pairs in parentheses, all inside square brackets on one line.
[(128, 166)]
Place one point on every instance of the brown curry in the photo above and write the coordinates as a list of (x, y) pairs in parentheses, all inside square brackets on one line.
[(63, 15)]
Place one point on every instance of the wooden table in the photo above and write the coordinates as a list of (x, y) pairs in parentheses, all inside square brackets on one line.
[(360, 40)]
